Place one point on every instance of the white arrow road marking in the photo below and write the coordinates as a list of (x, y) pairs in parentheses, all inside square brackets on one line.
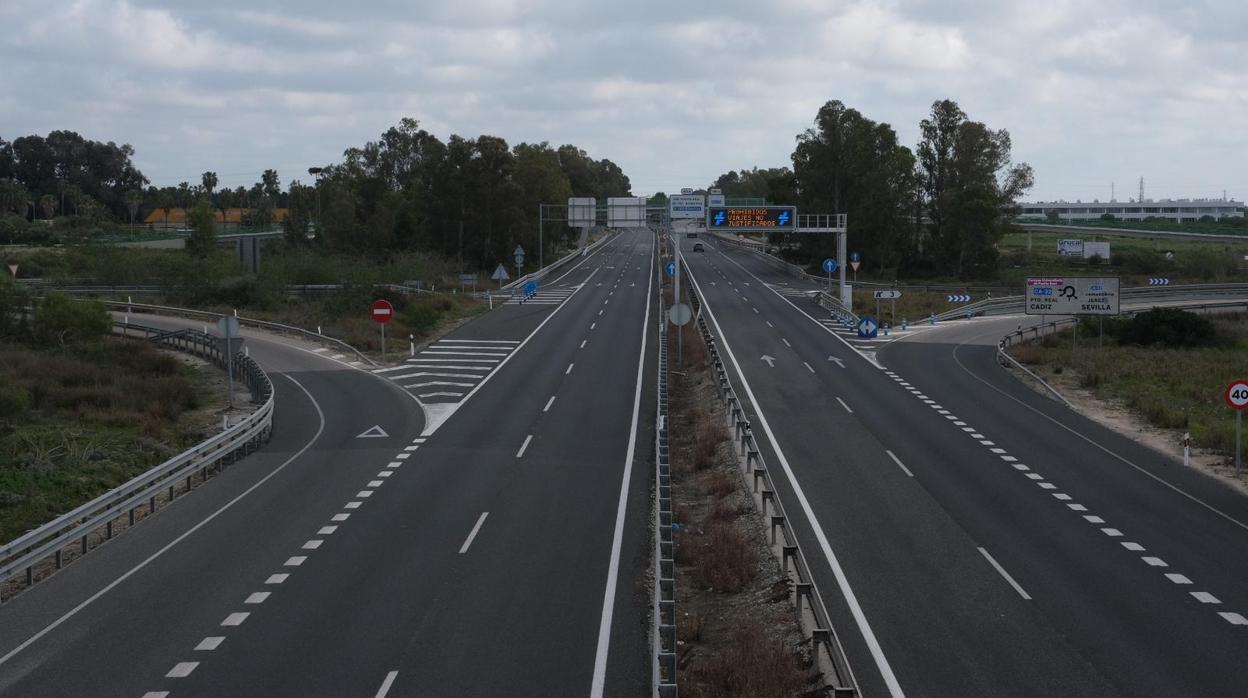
[(771, 360), (838, 361)]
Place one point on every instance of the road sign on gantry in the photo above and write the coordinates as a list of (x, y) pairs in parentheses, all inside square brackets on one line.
[(1072, 295), (686, 206), (582, 212), (759, 219), (382, 311), (626, 212)]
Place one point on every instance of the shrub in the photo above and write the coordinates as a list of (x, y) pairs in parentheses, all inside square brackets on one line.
[(757, 664), (14, 401), (730, 562), (61, 321), (1168, 327)]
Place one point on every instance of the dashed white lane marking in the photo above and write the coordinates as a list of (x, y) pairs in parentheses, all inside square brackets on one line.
[(786, 342), (1178, 578), (569, 369), (1093, 519), (808, 368), (312, 544), (549, 402), (1112, 532), (1233, 618), (295, 561), (364, 494), (257, 597), (769, 324), (156, 694), (1001, 570), (234, 619), (383, 473), (523, 446), (181, 670), (1205, 597), (326, 530), (353, 505), (473, 534), (402, 456), (374, 484), (277, 578), (899, 463), (385, 685), (209, 644), (583, 341), (844, 405), (1133, 547), (592, 325), (1154, 561)]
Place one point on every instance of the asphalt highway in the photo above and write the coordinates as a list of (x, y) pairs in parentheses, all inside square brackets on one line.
[(970, 536), (490, 543)]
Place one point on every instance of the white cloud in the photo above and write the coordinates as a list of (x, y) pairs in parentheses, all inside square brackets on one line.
[(676, 94)]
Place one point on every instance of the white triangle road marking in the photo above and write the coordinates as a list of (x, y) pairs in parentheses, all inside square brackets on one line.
[(374, 432)]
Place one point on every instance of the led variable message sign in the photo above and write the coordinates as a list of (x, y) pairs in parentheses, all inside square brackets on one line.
[(755, 218)]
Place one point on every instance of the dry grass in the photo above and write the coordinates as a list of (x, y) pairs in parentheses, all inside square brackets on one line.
[(737, 633), (756, 663)]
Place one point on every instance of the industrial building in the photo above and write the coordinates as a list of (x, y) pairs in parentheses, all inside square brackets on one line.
[(1179, 210)]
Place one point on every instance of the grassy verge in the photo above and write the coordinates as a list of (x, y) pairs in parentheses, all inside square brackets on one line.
[(78, 421), (737, 633), (1172, 388)]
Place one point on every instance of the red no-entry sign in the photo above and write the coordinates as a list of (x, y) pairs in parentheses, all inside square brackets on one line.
[(382, 311)]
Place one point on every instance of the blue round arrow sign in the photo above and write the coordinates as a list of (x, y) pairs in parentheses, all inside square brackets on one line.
[(670, 268), (855, 257), (829, 265)]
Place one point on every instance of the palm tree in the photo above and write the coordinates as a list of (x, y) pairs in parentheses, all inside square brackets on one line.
[(209, 179), (226, 201), (134, 200)]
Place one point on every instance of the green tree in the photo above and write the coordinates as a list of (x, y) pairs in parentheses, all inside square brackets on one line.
[(299, 211), (203, 239), (540, 181), (47, 204), (225, 202), (849, 164), (969, 189)]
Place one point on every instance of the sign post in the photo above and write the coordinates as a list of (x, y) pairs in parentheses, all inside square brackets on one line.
[(854, 261), (382, 312), (518, 255), (829, 266), (228, 327), (1237, 397)]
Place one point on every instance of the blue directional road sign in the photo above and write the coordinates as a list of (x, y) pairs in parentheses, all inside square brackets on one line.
[(1159, 281), (829, 265), (530, 289), (670, 268), (855, 257), (868, 328), (959, 298)]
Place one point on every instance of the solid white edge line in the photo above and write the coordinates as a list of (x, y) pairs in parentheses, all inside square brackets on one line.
[(617, 540), (385, 685), (842, 582), (898, 462), (147, 561), (1001, 570), (473, 534)]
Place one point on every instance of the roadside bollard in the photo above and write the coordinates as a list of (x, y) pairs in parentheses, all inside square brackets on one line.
[(904, 324), (411, 338), (932, 320), (886, 329)]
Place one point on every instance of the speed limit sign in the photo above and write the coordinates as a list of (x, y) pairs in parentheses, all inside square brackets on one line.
[(1237, 394)]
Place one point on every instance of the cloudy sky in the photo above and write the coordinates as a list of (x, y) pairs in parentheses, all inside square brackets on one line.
[(674, 92)]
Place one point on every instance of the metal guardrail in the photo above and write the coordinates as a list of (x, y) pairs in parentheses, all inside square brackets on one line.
[(827, 654), (78, 526), (664, 611), (1104, 231), (276, 327), (541, 273)]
